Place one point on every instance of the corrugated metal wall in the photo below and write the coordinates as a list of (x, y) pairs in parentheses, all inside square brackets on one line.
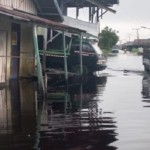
[(23, 5)]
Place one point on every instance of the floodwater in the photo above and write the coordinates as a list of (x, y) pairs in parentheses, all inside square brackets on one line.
[(108, 111)]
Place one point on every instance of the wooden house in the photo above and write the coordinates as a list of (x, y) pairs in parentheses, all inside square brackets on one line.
[(19, 55), (18, 39), (57, 10), (15, 40)]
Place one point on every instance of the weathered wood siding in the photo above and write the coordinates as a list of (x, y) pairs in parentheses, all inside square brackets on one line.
[(3, 110), (3, 41), (27, 62), (5, 25), (6, 3), (22, 5)]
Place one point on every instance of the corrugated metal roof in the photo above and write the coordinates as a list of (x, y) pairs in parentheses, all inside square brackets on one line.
[(101, 4), (52, 9), (89, 3), (108, 2), (105, 4), (38, 20)]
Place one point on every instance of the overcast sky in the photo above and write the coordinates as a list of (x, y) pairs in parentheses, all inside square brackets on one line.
[(130, 15)]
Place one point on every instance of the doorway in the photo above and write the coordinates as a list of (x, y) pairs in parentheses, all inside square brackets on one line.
[(15, 50)]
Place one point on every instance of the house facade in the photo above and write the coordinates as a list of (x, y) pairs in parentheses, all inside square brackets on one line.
[(16, 46), (17, 19), (19, 55), (59, 12)]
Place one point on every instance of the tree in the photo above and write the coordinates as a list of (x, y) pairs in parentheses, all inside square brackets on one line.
[(107, 38)]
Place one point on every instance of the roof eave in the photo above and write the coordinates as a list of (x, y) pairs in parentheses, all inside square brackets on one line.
[(101, 5), (20, 16)]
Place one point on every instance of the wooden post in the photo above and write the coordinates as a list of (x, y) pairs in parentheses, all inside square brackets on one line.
[(65, 56), (39, 67), (81, 96), (44, 50), (44, 58), (81, 61)]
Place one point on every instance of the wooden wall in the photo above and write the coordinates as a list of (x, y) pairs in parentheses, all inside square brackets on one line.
[(23, 5), (27, 62), (5, 27), (3, 42)]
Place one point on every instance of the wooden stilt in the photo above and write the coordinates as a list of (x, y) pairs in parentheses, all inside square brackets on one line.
[(45, 49), (81, 61), (44, 59), (39, 67), (65, 57)]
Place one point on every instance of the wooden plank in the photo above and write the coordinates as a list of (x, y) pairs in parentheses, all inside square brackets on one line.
[(3, 109), (3, 52)]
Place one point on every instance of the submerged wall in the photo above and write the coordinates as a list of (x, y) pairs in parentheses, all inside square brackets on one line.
[(27, 60)]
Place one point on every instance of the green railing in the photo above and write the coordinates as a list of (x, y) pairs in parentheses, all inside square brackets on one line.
[(54, 52)]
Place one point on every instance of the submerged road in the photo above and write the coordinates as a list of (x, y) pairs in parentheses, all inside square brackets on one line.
[(127, 97), (109, 111)]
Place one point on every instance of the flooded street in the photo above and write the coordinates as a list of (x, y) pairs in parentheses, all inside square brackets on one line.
[(108, 111), (126, 96)]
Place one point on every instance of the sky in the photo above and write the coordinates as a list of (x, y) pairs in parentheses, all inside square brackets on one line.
[(129, 18)]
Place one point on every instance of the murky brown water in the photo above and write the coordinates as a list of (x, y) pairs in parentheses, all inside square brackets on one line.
[(107, 112)]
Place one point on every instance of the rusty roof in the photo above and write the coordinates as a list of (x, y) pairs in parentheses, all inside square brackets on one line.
[(38, 20)]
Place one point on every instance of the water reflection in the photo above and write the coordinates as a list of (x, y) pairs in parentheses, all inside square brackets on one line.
[(72, 120), (146, 89), (17, 116)]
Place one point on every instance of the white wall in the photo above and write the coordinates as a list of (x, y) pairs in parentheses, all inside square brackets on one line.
[(91, 28)]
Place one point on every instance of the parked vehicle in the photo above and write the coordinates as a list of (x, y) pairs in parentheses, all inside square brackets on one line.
[(140, 51), (146, 59), (92, 56), (114, 52)]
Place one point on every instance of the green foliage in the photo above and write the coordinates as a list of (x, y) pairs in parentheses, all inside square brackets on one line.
[(134, 50), (105, 52), (107, 38)]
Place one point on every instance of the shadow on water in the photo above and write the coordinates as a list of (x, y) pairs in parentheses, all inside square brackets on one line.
[(74, 121), (69, 119), (146, 89)]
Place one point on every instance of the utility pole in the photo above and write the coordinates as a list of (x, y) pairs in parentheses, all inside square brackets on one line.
[(137, 34), (129, 37)]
